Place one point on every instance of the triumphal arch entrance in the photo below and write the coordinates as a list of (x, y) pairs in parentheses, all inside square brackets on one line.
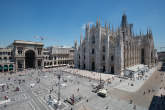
[(28, 54)]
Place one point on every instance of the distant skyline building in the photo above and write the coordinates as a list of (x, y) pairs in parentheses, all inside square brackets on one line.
[(105, 49)]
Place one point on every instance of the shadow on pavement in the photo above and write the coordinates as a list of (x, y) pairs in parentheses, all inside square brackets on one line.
[(158, 103)]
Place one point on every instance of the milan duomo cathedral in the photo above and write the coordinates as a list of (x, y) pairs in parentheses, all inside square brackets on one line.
[(104, 49)]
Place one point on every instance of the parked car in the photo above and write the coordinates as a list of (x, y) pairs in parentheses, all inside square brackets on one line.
[(102, 93)]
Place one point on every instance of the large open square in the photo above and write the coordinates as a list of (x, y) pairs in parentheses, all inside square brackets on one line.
[(39, 90)]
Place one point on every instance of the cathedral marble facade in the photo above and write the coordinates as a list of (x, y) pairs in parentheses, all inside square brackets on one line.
[(109, 50)]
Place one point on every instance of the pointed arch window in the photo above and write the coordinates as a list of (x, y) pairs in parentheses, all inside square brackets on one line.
[(112, 58), (103, 48), (93, 51), (103, 58), (93, 39)]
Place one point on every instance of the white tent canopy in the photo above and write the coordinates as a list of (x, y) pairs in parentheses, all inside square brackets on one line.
[(135, 69)]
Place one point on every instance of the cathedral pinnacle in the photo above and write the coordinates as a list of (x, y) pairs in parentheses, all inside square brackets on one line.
[(97, 21), (124, 21)]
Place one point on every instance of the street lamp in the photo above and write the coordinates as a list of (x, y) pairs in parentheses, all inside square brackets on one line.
[(58, 100), (59, 77), (100, 78)]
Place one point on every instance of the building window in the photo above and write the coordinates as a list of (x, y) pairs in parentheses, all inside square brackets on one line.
[(93, 66), (112, 69), (0, 58), (50, 58), (104, 68), (20, 64), (103, 48), (93, 39), (142, 56), (5, 58), (10, 58), (93, 51), (39, 63), (39, 51), (84, 66), (103, 57), (112, 58), (9, 53), (20, 51)]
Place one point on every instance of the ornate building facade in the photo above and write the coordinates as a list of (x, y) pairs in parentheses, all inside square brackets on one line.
[(28, 54), (6, 60), (55, 56), (21, 55), (104, 49)]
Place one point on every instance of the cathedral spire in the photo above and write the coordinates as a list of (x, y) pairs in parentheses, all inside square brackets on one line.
[(150, 31), (75, 44), (147, 31), (107, 27), (81, 38), (140, 32), (124, 21), (87, 26), (97, 22), (112, 28), (105, 24)]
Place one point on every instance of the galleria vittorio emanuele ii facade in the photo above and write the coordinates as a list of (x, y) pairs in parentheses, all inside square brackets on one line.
[(21, 55), (108, 50)]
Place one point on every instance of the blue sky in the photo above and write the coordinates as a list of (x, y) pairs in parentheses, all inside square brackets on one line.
[(61, 22)]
